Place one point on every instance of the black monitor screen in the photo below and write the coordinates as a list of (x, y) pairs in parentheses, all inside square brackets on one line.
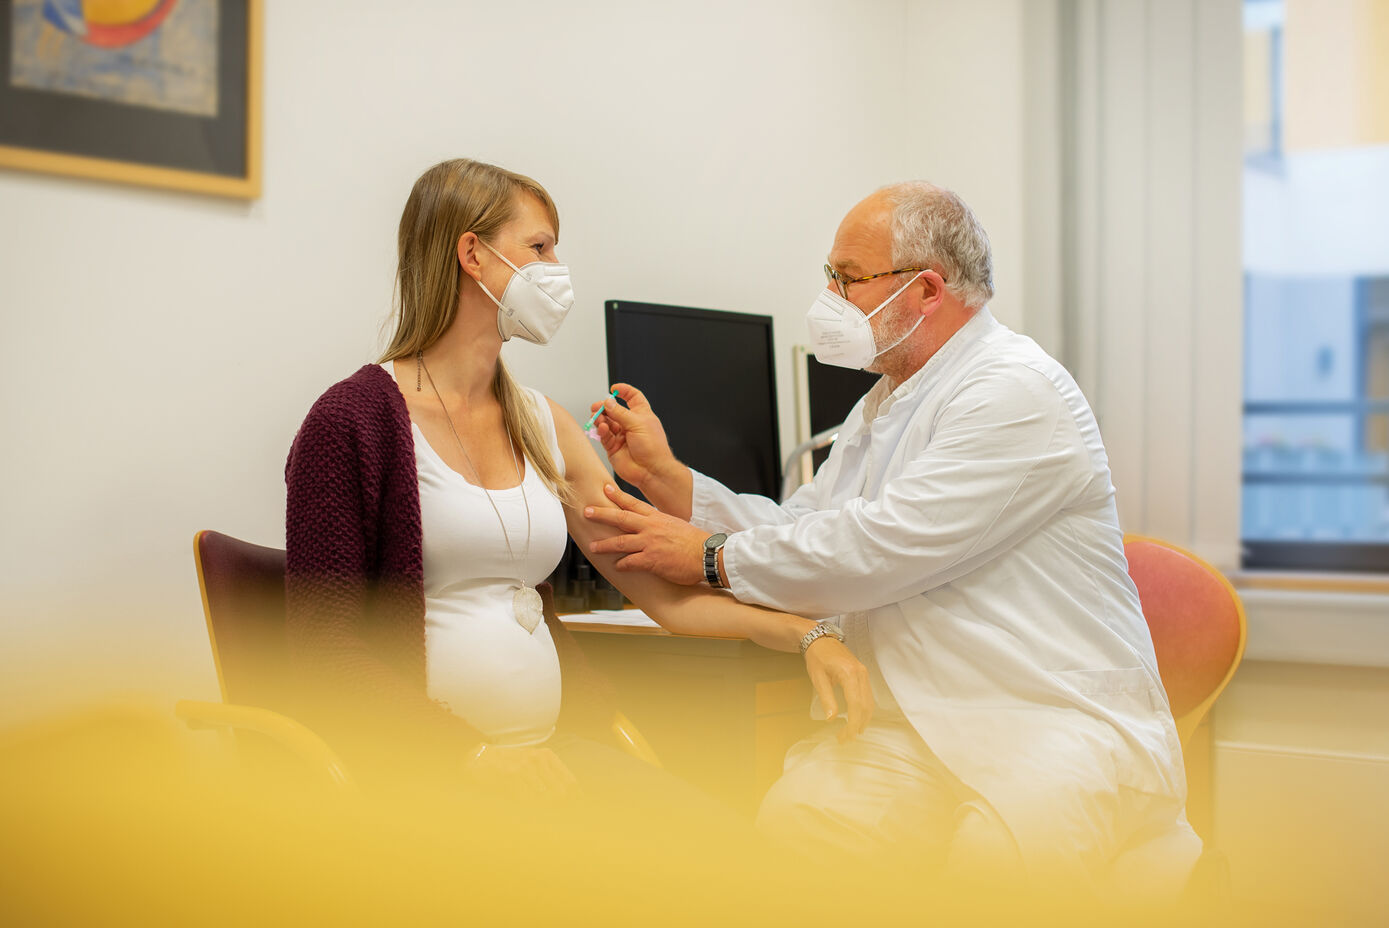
[(832, 392), (711, 378)]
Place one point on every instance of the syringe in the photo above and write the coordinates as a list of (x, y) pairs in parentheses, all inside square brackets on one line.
[(589, 430)]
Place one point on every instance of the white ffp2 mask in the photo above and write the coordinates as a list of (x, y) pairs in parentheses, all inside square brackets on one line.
[(535, 301), (840, 333)]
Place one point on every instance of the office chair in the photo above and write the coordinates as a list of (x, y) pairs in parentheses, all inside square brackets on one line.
[(243, 596)]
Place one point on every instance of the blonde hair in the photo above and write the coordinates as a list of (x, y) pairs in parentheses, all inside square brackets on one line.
[(450, 199)]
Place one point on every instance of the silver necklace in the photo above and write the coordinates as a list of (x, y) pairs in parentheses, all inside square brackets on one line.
[(525, 602)]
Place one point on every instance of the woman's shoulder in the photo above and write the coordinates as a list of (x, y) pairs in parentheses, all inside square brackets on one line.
[(365, 408), (542, 403), (560, 427), (550, 411), (367, 391)]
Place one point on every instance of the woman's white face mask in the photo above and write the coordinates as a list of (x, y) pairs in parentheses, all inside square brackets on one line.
[(535, 301), (840, 333)]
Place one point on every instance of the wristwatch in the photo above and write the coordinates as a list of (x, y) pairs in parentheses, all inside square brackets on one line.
[(712, 545), (820, 630)]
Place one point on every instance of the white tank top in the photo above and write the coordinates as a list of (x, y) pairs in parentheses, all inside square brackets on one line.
[(480, 661)]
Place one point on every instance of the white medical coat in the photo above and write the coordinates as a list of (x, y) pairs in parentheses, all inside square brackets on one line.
[(971, 516)]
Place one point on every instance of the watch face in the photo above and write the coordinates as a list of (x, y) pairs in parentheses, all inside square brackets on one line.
[(713, 541)]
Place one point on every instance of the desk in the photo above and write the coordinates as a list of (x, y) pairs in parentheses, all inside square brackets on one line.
[(719, 712)]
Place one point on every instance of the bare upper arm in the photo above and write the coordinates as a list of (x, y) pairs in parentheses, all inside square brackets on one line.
[(586, 474)]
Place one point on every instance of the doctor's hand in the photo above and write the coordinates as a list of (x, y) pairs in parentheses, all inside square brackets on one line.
[(652, 541), (633, 437), (830, 663)]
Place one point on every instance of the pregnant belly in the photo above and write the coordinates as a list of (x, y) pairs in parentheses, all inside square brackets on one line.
[(490, 671)]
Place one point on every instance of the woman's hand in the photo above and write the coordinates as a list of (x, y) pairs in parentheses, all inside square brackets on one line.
[(830, 663), (522, 772), (633, 437)]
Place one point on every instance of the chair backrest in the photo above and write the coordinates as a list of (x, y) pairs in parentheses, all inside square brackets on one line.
[(1197, 623), (243, 588)]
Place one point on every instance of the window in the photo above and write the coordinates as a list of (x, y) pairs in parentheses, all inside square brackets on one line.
[(1316, 258)]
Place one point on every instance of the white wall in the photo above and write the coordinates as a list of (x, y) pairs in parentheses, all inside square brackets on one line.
[(963, 116), (162, 348), (1154, 308)]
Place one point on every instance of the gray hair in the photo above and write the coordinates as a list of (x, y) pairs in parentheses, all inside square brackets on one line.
[(932, 227)]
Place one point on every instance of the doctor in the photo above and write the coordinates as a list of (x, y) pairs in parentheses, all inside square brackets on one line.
[(963, 539)]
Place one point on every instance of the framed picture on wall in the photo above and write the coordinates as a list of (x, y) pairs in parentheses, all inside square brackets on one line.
[(164, 93)]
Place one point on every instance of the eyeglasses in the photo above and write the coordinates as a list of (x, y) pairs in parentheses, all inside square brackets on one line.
[(842, 283)]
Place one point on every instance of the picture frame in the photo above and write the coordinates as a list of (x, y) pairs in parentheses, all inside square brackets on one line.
[(171, 100)]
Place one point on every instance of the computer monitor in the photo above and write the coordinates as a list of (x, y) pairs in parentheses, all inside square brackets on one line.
[(711, 377), (824, 396)]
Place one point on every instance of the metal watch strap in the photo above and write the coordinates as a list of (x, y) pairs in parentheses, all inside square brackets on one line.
[(711, 568), (711, 560), (821, 630)]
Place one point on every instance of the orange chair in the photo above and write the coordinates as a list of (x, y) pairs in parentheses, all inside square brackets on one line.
[(1197, 622), (1198, 629), (244, 603)]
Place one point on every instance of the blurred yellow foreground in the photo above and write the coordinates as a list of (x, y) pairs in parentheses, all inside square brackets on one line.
[(119, 815)]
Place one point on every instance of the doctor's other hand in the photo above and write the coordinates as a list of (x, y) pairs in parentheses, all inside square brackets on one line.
[(649, 539), (522, 773), (633, 436), (831, 664)]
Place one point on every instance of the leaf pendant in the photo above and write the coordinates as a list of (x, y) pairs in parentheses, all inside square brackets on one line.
[(528, 608)]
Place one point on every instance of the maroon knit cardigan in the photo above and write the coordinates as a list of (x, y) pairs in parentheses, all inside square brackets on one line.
[(354, 579)]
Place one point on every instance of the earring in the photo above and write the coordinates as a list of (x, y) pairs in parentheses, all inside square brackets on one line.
[(419, 364)]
